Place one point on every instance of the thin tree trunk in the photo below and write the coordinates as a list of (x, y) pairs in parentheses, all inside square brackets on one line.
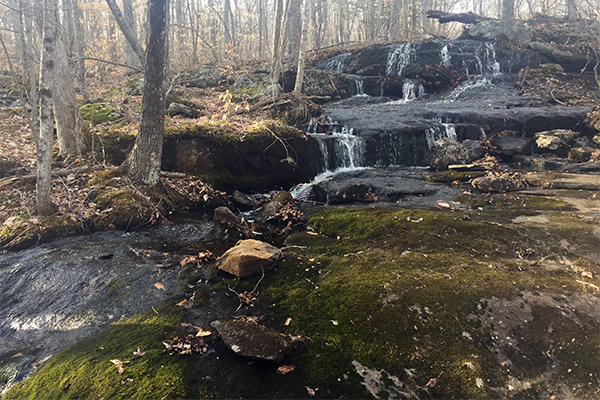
[(294, 29), (44, 143), (276, 50), (394, 35), (132, 58), (78, 32), (302, 50), (127, 30), (508, 10), (145, 159)]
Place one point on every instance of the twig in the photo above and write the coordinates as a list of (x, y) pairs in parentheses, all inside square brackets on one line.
[(68, 191), (555, 99)]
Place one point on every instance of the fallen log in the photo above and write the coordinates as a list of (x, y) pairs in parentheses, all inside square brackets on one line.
[(465, 18)]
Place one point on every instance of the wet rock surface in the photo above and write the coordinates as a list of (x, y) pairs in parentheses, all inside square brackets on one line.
[(57, 294)]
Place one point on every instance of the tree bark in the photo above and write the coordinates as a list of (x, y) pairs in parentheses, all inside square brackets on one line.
[(145, 158), (44, 143), (127, 30), (78, 32), (294, 29), (302, 49), (132, 58), (508, 16), (276, 49), (571, 10), (64, 99), (394, 34)]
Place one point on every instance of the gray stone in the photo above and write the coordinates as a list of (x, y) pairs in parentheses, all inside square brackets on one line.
[(202, 78), (243, 202), (556, 141), (229, 224), (182, 110), (447, 152), (255, 341), (474, 147), (280, 200), (249, 257), (581, 154), (508, 146)]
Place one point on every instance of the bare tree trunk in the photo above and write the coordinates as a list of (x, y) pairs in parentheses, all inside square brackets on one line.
[(294, 29), (132, 58), (341, 19), (64, 99), (145, 159), (508, 15), (30, 57), (571, 10), (276, 55), (302, 50), (227, 23), (78, 32), (405, 28), (44, 143), (127, 30), (394, 35), (260, 28)]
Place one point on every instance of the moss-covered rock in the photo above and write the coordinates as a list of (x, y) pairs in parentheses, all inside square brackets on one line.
[(100, 112), (88, 369)]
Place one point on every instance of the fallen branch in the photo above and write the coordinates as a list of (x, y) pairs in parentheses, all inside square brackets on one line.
[(464, 18)]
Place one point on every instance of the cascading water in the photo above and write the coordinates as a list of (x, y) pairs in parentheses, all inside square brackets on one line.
[(491, 65), (399, 58), (445, 58), (441, 131), (360, 87), (338, 63)]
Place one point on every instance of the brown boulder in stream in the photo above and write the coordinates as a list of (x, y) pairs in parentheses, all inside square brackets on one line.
[(249, 257)]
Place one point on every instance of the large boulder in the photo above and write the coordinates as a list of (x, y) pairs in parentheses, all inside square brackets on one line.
[(202, 78), (557, 141), (508, 146), (255, 341), (446, 152), (182, 110), (571, 58), (249, 257)]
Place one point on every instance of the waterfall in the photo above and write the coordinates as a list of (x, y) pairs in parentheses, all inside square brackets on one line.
[(360, 87), (441, 131), (411, 89), (445, 58), (338, 63), (398, 59), (491, 65), (341, 149)]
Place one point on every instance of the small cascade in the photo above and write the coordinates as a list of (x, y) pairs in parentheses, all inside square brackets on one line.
[(441, 131), (466, 88), (491, 65), (341, 149), (445, 58), (360, 87), (399, 58), (338, 63), (412, 89)]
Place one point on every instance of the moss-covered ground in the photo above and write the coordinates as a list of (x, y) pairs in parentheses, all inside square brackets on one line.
[(393, 303)]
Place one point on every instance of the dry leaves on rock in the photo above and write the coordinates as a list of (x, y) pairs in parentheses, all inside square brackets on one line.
[(285, 369), (186, 345)]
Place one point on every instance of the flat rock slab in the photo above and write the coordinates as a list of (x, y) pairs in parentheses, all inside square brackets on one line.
[(564, 181), (255, 341), (249, 257)]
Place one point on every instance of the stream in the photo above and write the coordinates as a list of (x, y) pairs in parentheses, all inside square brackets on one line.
[(58, 293)]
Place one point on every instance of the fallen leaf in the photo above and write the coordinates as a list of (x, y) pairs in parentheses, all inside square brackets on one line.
[(43, 360), (587, 274), (311, 392), (479, 383), (287, 322), (159, 286), (431, 383), (285, 369), (137, 354), (17, 355), (182, 303), (333, 321), (203, 333), (118, 364)]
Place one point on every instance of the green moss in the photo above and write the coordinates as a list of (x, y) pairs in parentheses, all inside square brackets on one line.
[(99, 112), (18, 236), (394, 290), (85, 370)]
